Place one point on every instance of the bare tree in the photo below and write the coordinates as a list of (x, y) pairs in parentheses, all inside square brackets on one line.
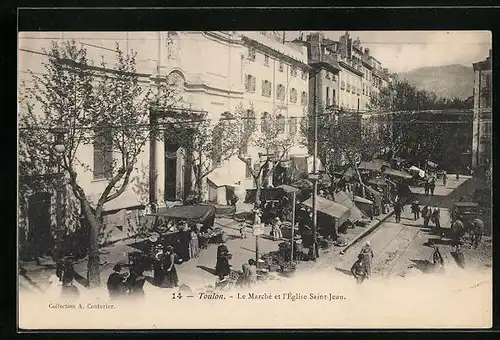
[(103, 107), (272, 141), (205, 145)]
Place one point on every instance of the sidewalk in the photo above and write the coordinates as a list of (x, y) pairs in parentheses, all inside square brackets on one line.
[(196, 271)]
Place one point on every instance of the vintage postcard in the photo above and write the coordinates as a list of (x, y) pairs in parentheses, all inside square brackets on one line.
[(250, 179)]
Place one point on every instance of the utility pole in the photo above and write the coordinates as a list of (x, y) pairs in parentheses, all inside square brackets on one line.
[(315, 157), (153, 125)]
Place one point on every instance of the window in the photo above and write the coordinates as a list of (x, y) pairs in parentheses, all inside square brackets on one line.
[(327, 96), (266, 60), (280, 92), (327, 75), (248, 172), (293, 96), (251, 54), (282, 66), (303, 98), (304, 74), (293, 125), (250, 83), (103, 153), (342, 85), (348, 87), (263, 121), (294, 71), (266, 88), (280, 121)]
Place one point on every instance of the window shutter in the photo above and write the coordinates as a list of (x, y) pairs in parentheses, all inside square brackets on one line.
[(253, 83)]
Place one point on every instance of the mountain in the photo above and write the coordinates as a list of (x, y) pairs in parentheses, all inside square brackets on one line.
[(449, 81)]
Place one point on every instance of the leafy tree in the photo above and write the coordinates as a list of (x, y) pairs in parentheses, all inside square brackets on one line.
[(345, 139), (106, 108)]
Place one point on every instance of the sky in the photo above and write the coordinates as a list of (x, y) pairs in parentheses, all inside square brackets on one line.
[(402, 51)]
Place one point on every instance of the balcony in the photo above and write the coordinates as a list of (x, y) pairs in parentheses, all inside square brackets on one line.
[(329, 59)]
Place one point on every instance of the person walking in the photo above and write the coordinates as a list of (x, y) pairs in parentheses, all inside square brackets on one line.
[(445, 178), (367, 254), (436, 216), (432, 186), (426, 187), (415, 209), (397, 210), (358, 270)]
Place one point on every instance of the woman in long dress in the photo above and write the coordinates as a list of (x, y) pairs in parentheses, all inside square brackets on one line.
[(222, 267), (171, 280), (158, 271)]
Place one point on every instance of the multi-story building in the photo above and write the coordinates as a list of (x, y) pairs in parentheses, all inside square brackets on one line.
[(253, 70), (482, 128), (324, 73)]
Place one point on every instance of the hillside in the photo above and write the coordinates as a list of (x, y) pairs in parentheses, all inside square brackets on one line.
[(448, 81)]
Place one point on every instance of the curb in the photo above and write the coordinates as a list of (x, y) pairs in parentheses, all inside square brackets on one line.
[(366, 232)]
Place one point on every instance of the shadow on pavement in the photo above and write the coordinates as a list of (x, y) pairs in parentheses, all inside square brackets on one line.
[(81, 280), (437, 241), (425, 266), (459, 259), (207, 269), (344, 271)]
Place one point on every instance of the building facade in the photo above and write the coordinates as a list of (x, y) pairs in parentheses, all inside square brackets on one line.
[(345, 71), (214, 72), (482, 128)]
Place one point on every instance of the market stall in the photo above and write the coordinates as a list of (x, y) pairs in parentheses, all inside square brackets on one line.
[(164, 226), (330, 215)]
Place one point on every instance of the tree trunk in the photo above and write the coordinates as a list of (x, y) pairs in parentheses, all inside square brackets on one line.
[(93, 269)]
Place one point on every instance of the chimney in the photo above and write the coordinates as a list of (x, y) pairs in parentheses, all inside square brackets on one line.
[(367, 51)]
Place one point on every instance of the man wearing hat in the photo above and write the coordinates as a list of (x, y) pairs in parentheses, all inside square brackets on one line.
[(158, 272), (116, 286), (367, 254), (358, 269)]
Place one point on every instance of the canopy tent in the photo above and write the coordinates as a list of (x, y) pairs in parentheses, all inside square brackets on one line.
[(345, 199), (418, 171), (331, 208), (192, 213), (397, 173), (362, 200)]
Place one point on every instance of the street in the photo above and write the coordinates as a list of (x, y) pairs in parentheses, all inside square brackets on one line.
[(400, 247)]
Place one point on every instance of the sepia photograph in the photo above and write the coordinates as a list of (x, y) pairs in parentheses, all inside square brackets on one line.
[(254, 179)]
